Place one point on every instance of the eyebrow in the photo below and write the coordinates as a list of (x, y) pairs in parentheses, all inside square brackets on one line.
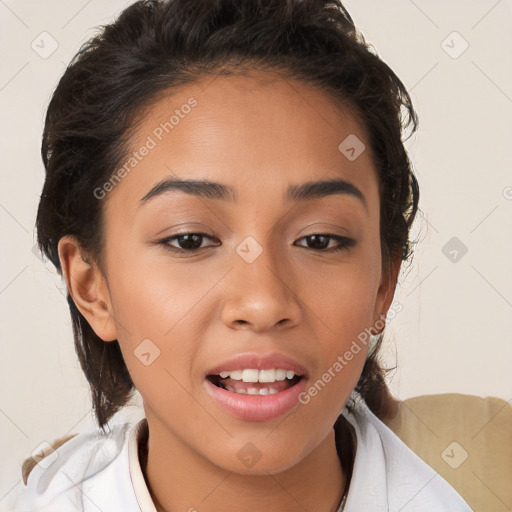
[(213, 190)]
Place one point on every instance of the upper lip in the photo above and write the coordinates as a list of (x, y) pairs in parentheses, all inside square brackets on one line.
[(257, 361)]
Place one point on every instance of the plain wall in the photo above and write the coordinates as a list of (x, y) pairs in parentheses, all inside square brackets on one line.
[(453, 333)]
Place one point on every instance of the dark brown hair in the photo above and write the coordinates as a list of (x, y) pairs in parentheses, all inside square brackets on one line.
[(156, 45)]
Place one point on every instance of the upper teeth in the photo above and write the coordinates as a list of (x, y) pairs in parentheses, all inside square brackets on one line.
[(252, 375)]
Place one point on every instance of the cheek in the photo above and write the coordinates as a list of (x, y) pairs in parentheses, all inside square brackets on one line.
[(158, 308), (345, 309), (154, 312), (344, 302), (344, 296), (152, 296)]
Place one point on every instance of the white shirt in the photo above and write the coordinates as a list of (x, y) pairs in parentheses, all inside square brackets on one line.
[(94, 471)]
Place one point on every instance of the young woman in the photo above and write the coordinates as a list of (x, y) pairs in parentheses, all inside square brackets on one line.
[(229, 200)]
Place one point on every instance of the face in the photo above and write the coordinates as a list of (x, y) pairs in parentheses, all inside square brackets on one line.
[(251, 274)]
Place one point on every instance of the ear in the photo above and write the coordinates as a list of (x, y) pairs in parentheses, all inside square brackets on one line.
[(87, 287), (385, 296)]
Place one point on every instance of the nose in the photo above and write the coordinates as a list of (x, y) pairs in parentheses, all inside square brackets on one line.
[(260, 295)]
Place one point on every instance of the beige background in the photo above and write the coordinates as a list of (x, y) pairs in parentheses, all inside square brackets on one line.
[(453, 334)]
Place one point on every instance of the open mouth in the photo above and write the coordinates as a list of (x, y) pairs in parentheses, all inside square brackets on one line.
[(255, 382)]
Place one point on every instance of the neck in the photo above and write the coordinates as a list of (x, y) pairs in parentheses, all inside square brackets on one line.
[(317, 482)]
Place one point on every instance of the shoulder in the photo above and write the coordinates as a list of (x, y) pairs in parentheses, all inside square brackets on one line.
[(30, 462), (465, 438), (388, 475), (60, 475)]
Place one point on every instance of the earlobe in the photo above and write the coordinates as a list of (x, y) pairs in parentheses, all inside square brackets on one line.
[(87, 287)]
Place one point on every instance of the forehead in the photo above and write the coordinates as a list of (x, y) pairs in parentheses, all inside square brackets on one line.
[(257, 132)]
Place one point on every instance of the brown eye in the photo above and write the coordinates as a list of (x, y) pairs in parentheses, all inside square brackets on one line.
[(320, 242), (187, 242)]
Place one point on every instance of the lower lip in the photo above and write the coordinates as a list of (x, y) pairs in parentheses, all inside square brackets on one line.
[(257, 407)]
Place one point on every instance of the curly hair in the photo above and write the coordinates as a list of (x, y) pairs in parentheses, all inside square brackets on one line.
[(155, 45)]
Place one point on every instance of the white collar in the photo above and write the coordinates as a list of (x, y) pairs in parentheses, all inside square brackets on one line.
[(386, 474), (139, 484)]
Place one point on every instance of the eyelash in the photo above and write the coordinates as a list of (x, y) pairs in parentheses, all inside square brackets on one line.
[(345, 242)]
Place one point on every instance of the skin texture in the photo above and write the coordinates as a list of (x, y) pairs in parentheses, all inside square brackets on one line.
[(258, 134)]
